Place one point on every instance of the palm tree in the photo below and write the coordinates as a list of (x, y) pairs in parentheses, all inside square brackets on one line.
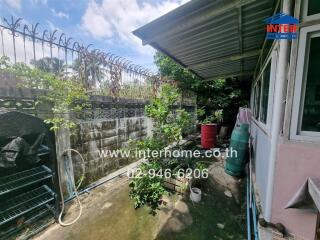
[(47, 64)]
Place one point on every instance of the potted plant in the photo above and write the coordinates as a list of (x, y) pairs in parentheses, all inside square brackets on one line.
[(200, 114)]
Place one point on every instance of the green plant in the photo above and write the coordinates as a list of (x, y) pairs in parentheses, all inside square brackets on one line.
[(215, 117), (148, 144), (201, 112), (146, 190), (169, 126), (200, 166), (226, 94), (64, 94), (170, 69)]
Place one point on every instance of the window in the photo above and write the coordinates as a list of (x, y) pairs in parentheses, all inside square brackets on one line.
[(265, 93), (311, 106), (306, 103), (313, 7), (311, 10)]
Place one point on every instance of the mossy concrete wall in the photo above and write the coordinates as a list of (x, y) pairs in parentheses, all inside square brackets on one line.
[(108, 125), (93, 139)]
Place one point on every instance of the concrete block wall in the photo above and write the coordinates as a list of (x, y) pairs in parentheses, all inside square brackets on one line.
[(93, 137), (110, 127)]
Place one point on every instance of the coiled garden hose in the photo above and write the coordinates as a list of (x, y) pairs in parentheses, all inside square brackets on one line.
[(75, 190)]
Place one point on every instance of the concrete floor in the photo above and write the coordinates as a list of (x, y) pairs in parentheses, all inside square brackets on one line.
[(108, 214)]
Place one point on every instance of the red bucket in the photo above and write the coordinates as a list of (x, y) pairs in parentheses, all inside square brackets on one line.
[(208, 135)]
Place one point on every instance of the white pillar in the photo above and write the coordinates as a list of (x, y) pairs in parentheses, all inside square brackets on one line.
[(278, 109)]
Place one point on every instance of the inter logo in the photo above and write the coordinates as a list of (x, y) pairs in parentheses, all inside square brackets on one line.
[(281, 26)]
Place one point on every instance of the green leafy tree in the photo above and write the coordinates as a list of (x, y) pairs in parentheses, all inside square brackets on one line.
[(170, 69), (226, 95), (221, 94), (65, 95), (50, 65), (90, 71), (169, 126)]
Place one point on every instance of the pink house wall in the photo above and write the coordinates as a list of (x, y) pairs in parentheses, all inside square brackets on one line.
[(294, 164)]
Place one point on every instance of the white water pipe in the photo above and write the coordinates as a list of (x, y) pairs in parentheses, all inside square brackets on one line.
[(75, 191), (278, 109)]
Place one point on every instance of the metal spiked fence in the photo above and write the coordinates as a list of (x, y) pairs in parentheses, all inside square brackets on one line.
[(103, 73)]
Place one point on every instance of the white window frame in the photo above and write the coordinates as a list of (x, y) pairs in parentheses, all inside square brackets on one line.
[(255, 104), (305, 16), (306, 34), (252, 98), (273, 69)]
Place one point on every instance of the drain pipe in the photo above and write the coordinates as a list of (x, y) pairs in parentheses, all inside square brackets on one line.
[(248, 212), (119, 173), (255, 222), (277, 117)]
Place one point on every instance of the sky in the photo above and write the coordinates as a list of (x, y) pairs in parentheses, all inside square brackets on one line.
[(107, 24)]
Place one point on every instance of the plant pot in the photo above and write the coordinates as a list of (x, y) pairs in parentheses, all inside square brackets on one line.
[(208, 135), (195, 194)]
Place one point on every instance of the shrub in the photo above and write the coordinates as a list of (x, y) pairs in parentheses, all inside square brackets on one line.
[(169, 127)]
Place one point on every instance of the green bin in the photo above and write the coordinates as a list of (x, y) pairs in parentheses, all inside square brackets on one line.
[(236, 163)]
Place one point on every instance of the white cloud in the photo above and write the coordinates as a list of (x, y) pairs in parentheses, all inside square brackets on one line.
[(52, 26), (95, 22), (118, 18), (59, 14), (36, 2), (15, 4)]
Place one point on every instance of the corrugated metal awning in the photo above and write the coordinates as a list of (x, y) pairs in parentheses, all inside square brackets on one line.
[(213, 38)]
